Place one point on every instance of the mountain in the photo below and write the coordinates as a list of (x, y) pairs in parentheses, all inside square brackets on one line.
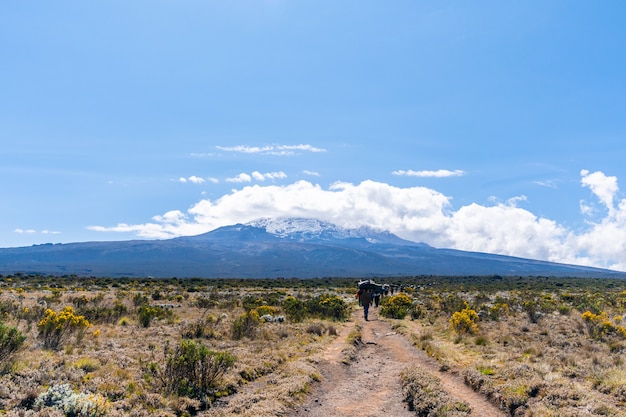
[(270, 248)]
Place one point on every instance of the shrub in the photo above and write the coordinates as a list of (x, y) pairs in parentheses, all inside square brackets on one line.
[(11, 340), (532, 309), (601, 327), (139, 300), (87, 364), (250, 302), (396, 306), (56, 328), (205, 302), (418, 311), (324, 306), (498, 310), (295, 309), (194, 371), (148, 313), (451, 303), (63, 398), (481, 341), (246, 325), (327, 306), (263, 310), (103, 314), (204, 327), (315, 328), (464, 321)]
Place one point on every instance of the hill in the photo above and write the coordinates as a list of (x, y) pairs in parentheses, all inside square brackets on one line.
[(270, 248)]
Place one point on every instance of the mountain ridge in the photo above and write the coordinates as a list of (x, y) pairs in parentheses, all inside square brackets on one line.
[(273, 248)]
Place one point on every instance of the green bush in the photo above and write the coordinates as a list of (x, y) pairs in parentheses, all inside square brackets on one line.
[(148, 313), (295, 309), (324, 306), (418, 311), (250, 302), (396, 306), (246, 325), (204, 327), (139, 300), (194, 371), (103, 314), (327, 306), (11, 340)]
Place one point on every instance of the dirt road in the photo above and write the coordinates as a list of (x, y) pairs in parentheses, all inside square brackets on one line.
[(370, 386)]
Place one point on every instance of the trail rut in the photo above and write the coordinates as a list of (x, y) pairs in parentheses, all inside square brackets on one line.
[(371, 386)]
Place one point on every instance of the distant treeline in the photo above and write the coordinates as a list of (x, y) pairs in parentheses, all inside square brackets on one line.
[(414, 283)]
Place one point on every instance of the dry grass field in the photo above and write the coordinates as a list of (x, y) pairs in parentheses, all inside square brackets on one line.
[(73, 346)]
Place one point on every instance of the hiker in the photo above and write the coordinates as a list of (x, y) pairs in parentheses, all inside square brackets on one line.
[(365, 299), (376, 299)]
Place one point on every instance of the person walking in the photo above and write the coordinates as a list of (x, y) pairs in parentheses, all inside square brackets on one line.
[(365, 299)]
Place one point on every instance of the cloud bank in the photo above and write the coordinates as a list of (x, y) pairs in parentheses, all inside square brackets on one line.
[(417, 213)]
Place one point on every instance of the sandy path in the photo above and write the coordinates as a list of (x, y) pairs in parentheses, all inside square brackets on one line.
[(371, 385)]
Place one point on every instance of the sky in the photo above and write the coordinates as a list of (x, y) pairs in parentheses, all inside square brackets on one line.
[(486, 126)]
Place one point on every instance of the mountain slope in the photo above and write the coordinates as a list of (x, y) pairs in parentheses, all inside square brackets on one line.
[(266, 248)]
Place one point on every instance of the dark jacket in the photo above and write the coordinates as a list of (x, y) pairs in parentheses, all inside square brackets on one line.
[(365, 298)]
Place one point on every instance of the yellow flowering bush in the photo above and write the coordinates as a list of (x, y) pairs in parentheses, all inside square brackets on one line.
[(396, 306), (600, 326), (464, 321), (56, 328)]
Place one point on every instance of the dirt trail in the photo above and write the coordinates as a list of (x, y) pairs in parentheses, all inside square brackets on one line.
[(371, 385)]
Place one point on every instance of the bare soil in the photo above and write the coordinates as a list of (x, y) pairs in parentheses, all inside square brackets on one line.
[(370, 385)]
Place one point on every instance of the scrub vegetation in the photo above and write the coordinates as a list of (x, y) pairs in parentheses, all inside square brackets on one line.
[(84, 346)]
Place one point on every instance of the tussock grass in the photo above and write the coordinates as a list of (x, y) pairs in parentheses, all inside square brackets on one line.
[(425, 396)]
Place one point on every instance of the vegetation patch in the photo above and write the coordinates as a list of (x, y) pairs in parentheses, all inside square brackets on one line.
[(425, 396), (538, 346)]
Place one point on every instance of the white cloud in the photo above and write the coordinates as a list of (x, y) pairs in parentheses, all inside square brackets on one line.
[(416, 213), (280, 150), (193, 179), (441, 173), (602, 186), (33, 231), (548, 183), (196, 180), (275, 175), (257, 176), (243, 177), (311, 173)]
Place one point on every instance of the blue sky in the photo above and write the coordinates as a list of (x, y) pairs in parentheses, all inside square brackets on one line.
[(489, 126)]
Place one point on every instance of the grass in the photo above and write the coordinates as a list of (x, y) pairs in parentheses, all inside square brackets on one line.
[(426, 397)]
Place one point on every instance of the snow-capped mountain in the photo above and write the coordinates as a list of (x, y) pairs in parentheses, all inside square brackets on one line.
[(304, 229), (270, 248)]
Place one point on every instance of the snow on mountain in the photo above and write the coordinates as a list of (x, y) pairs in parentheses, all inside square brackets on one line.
[(296, 228)]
